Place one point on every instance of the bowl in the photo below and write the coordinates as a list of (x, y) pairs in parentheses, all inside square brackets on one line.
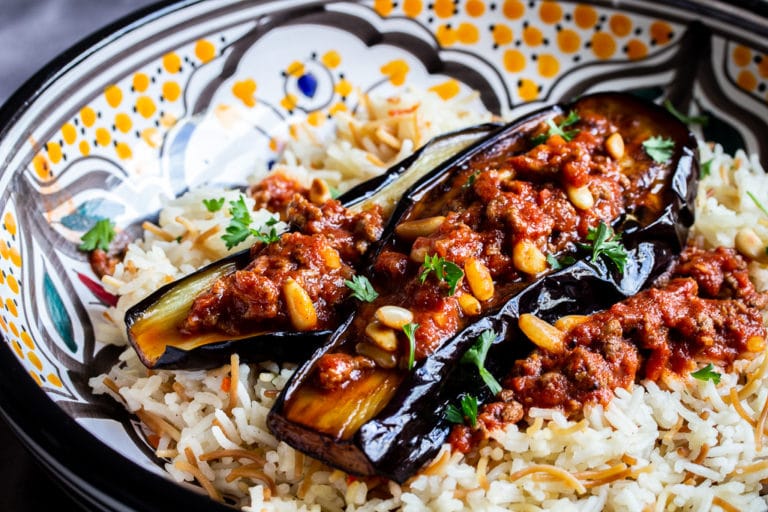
[(194, 92)]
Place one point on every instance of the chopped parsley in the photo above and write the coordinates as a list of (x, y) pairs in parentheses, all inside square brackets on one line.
[(239, 227), (444, 270), (213, 205), (706, 168), (707, 373), (559, 129), (556, 264), (659, 148), (757, 202), (99, 236), (410, 333), (468, 411), (702, 120), (471, 180), (476, 355), (608, 244), (362, 289)]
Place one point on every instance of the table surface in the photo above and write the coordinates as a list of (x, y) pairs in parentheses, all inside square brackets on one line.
[(24, 485)]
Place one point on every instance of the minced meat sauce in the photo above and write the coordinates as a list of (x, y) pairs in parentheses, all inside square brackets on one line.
[(504, 212), (708, 311), (320, 255)]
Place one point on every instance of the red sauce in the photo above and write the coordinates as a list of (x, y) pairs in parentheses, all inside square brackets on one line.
[(513, 194), (706, 312), (319, 256)]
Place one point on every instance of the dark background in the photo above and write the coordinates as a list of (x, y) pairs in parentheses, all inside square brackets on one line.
[(32, 32)]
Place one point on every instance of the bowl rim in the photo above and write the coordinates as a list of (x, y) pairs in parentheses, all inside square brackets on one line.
[(67, 450)]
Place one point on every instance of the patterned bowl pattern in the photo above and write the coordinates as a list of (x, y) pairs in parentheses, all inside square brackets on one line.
[(197, 92)]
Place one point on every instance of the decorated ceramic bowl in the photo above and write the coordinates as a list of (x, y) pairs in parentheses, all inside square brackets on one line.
[(196, 91)]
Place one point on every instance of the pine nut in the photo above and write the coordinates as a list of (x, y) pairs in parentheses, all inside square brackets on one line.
[(418, 253), (545, 335), (614, 145), (319, 192), (394, 317), (580, 197), (749, 244), (382, 358), (469, 304), (382, 336), (479, 279), (412, 229), (755, 343), (301, 311), (568, 322), (528, 258)]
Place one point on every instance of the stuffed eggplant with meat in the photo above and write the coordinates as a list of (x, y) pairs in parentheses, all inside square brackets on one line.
[(565, 211), (280, 299)]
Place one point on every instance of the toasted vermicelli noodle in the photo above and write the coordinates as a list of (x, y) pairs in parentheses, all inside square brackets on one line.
[(681, 444)]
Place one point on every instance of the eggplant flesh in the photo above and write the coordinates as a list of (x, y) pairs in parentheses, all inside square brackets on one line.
[(152, 324), (393, 424)]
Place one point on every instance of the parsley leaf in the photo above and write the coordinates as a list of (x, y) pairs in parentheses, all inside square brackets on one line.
[(410, 332), (707, 373), (476, 355), (606, 243), (706, 168), (213, 205), (757, 202), (559, 129), (556, 264), (362, 289), (468, 411), (99, 236), (444, 270), (702, 120), (239, 227), (659, 148), (471, 180)]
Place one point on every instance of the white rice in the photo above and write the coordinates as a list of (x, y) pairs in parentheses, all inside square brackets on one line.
[(679, 445)]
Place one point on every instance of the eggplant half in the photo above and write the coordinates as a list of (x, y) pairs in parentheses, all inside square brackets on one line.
[(152, 324), (387, 419)]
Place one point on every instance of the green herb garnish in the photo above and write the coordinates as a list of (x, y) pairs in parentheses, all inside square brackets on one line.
[(471, 180), (659, 148), (706, 168), (362, 289), (707, 373), (760, 205), (559, 129), (410, 333), (213, 205), (444, 270), (240, 226), (702, 120), (556, 264), (476, 355), (606, 243), (99, 236), (468, 411)]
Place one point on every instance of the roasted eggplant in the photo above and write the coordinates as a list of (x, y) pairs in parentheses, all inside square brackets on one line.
[(153, 323), (370, 415)]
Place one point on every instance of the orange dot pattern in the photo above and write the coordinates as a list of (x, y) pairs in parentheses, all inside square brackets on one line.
[(535, 42), (748, 69), (115, 122), (13, 317)]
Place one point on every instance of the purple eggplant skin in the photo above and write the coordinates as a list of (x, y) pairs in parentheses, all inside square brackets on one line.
[(290, 346), (412, 427)]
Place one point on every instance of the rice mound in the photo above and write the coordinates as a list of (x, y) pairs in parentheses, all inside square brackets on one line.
[(684, 445)]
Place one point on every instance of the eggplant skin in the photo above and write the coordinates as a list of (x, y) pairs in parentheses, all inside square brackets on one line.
[(151, 324), (411, 428)]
